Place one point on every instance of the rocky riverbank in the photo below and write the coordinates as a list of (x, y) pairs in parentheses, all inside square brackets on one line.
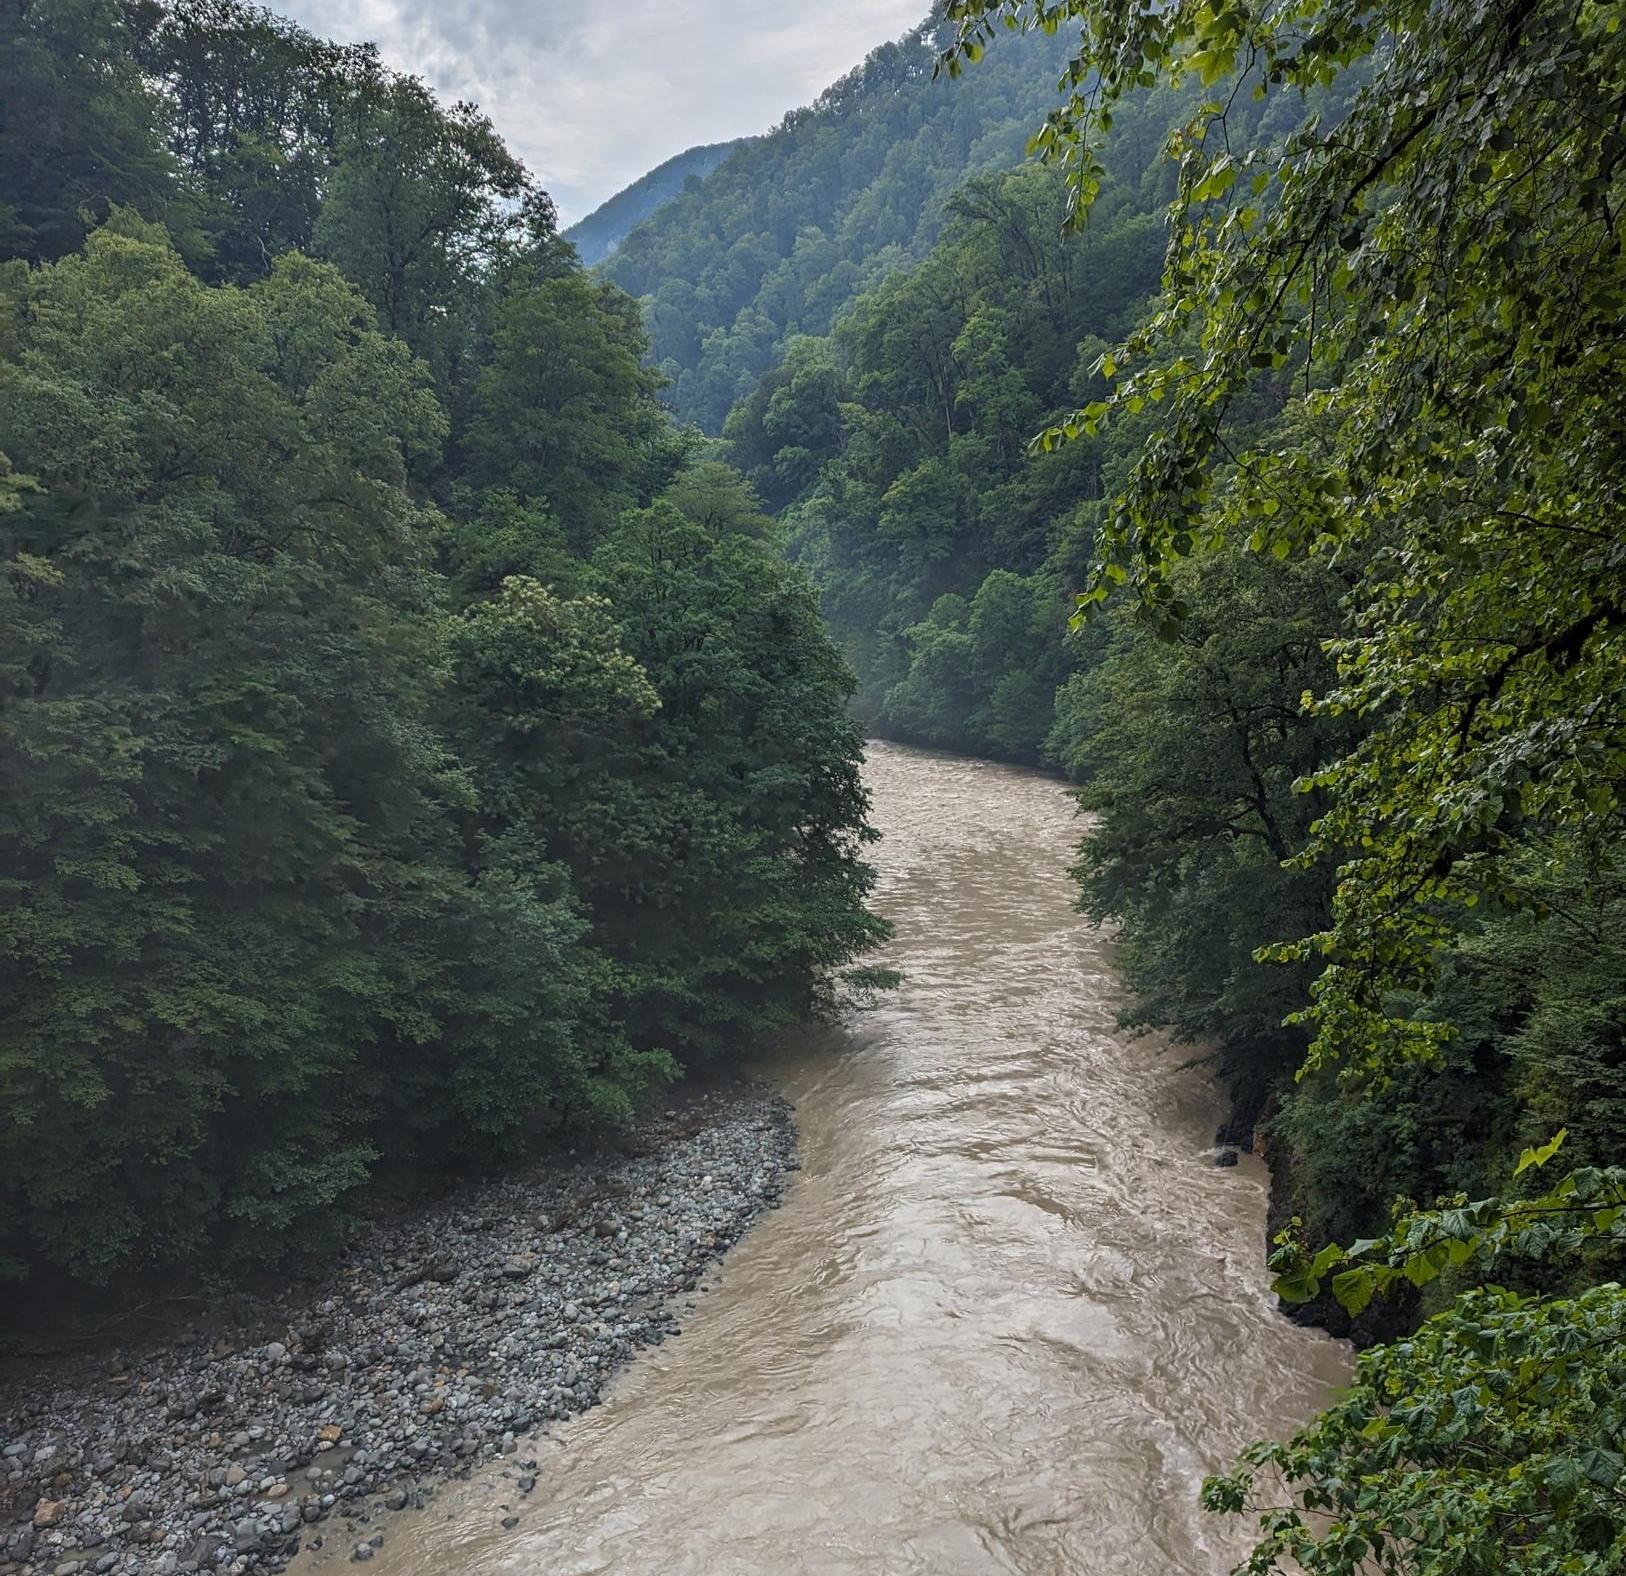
[(444, 1340)]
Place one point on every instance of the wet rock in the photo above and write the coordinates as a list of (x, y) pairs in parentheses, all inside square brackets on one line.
[(202, 1553), (1226, 1157)]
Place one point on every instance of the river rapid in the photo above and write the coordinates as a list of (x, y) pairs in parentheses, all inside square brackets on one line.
[(1010, 1314)]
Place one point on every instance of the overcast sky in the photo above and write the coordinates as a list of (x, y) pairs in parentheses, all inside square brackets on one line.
[(591, 95)]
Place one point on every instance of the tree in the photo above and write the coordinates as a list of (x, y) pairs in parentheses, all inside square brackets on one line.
[(214, 647), (564, 408), (1189, 753), (789, 423), (79, 130), (423, 199), (252, 111), (716, 496), (1405, 248), (896, 450), (723, 865), (553, 711), (1436, 256), (334, 820)]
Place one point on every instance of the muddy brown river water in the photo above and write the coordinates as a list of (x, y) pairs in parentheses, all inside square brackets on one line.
[(1010, 1314)]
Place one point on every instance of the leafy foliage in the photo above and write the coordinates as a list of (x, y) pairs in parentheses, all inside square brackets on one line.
[(1189, 752), (1490, 1440), (1431, 254), (80, 130), (213, 633), (563, 407), (1495, 1430), (408, 748)]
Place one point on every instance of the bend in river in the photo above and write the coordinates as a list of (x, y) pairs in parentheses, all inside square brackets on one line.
[(1008, 1318)]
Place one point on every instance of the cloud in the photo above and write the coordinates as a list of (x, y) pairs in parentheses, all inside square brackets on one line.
[(592, 96)]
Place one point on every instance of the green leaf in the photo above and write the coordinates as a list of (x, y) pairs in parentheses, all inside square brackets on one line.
[(1354, 1289), (1540, 1155)]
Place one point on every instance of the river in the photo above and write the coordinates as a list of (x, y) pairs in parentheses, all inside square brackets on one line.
[(1010, 1314)]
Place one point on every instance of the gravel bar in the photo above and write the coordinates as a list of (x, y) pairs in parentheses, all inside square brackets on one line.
[(443, 1340)]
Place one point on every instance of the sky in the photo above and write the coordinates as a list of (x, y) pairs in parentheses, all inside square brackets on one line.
[(592, 94)]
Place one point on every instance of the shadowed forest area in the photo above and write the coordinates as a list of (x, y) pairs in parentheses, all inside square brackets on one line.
[(413, 746)]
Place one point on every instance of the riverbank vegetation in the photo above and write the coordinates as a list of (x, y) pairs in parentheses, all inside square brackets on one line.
[(409, 748), (1386, 358)]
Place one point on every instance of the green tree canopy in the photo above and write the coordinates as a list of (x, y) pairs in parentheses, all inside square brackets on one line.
[(379, 796), (1440, 257), (564, 411), (213, 639), (80, 130)]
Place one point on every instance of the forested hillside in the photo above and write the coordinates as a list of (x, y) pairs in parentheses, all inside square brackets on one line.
[(897, 448), (604, 229), (779, 238), (408, 750)]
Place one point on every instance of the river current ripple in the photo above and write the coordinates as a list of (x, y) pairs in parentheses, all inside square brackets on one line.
[(1010, 1314)]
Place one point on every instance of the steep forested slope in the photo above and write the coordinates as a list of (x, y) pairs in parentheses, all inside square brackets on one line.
[(407, 750), (780, 237), (604, 229), (896, 448)]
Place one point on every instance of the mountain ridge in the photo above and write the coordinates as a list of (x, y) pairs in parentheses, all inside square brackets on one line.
[(597, 235), (798, 222)]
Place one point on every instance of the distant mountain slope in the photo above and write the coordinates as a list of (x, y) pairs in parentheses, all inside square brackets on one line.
[(603, 230), (796, 223)]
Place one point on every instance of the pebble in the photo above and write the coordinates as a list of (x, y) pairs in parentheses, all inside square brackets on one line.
[(444, 1339)]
